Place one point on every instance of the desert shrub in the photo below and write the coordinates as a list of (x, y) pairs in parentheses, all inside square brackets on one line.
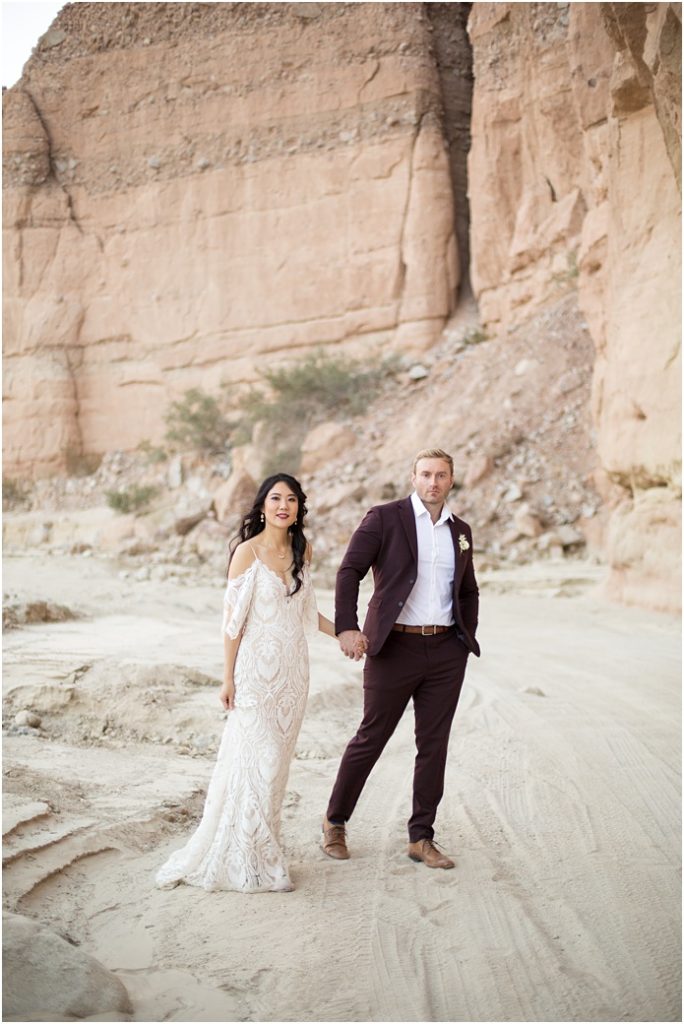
[(475, 336), (314, 389), (284, 457), (131, 499), (151, 452), (79, 463), (14, 492), (197, 421), (571, 273), (301, 394)]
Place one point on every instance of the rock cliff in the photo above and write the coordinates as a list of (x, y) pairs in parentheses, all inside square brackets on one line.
[(574, 175), (191, 188)]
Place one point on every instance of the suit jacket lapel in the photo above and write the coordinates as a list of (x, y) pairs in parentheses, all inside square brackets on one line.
[(458, 554), (408, 521)]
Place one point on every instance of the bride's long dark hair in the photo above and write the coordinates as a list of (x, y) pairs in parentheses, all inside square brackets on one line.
[(252, 524)]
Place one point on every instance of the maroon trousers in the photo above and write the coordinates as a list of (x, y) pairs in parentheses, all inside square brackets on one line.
[(429, 669)]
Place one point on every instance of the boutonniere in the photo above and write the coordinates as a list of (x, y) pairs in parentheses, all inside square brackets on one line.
[(463, 542)]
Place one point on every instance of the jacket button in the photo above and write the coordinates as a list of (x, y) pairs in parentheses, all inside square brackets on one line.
[(400, 603), (412, 581)]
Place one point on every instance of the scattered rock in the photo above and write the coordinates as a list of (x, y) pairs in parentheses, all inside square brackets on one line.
[(569, 536), (524, 366), (187, 523), (325, 442), (514, 493), (174, 473), (138, 547), (339, 494), (418, 372), (29, 718), (32, 612), (53, 37), (526, 524), (235, 495), (534, 690), (47, 978), (478, 468)]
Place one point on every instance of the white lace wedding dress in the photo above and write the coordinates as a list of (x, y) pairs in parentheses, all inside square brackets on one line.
[(237, 843)]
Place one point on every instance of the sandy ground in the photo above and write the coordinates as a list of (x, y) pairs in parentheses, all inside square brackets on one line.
[(561, 810)]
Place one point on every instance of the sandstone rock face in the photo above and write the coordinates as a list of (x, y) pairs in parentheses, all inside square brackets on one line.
[(576, 155), (192, 188), (46, 978)]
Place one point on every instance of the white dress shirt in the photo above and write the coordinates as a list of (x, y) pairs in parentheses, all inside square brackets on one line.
[(431, 601)]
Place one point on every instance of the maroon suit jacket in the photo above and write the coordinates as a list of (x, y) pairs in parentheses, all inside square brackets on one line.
[(386, 541)]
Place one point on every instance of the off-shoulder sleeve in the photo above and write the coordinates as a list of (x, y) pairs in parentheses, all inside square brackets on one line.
[(237, 600), (310, 613)]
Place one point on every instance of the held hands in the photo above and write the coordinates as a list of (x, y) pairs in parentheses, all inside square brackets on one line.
[(353, 643), (227, 694)]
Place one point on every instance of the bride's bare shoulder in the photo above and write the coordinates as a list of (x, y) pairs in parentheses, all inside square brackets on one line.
[(243, 556)]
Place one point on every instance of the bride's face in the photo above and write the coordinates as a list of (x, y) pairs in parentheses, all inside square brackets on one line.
[(281, 506)]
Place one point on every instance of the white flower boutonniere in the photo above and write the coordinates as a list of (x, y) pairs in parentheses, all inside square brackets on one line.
[(463, 542)]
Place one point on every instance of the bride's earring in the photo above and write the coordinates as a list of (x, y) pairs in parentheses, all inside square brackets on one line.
[(262, 518)]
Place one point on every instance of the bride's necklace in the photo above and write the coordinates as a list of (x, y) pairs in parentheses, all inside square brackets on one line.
[(273, 551)]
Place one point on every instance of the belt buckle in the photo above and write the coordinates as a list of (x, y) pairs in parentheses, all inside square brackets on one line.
[(423, 633)]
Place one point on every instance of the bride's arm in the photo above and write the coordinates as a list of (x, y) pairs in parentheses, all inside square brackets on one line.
[(227, 691), (325, 625), (240, 562)]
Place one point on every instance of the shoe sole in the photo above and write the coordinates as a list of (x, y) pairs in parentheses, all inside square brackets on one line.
[(419, 860), (335, 856)]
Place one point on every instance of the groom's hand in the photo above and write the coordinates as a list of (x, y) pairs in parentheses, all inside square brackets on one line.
[(353, 643)]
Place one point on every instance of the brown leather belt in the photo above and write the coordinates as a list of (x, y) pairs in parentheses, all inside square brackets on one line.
[(399, 627)]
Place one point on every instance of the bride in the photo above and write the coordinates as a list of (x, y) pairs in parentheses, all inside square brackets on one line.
[(268, 605)]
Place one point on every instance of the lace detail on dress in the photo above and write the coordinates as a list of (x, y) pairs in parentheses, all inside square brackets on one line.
[(236, 601), (237, 843), (310, 614)]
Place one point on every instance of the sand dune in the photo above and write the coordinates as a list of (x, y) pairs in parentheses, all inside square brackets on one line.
[(561, 810)]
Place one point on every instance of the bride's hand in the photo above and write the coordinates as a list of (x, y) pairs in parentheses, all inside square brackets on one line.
[(227, 694)]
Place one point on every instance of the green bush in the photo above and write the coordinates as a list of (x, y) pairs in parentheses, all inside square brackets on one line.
[(14, 492), (475, 336), (314, 389), (78, 463), (197, 421), (571, 273), (152, 452), (305, 393), (132, 499)]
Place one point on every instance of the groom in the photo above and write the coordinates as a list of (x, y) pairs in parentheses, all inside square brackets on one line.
[(420, 628)]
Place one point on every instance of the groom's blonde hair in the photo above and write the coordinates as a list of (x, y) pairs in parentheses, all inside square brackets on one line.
[(433, 453)]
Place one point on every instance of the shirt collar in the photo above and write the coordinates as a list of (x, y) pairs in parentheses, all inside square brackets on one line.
[(419, 509)]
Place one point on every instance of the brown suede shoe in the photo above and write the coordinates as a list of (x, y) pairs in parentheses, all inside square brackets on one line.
[(424, 850), (334, 841)]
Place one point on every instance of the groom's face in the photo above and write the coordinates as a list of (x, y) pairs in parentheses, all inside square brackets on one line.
[(432, 480)]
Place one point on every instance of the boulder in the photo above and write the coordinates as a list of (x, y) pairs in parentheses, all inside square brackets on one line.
[(47, 978), (478, 468), (27, 717), (325, 442), (526, 524), (338, 495), (235, 495)]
